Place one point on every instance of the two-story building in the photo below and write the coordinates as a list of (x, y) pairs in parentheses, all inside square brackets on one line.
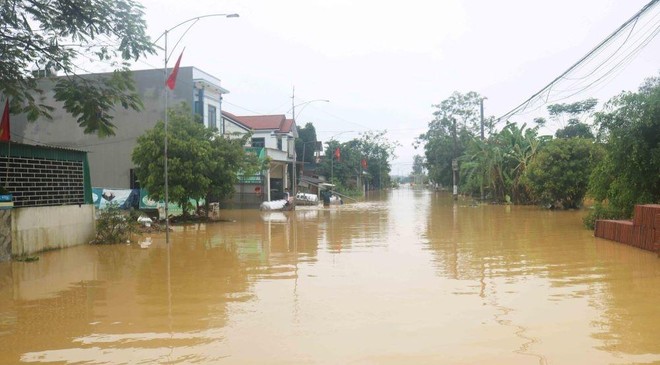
[(273, 138)]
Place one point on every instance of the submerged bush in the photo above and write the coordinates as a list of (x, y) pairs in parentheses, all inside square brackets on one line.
[(114, 226), (559, 176), (601, 211)]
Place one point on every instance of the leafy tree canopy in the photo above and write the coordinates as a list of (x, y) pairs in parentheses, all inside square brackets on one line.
[(575, 129), (51, 36), (456, 121), (573, 110), (499, 164), (306, 143), (630, 127), (559, 175), (573, 116), (200, 163), (418, 165), (373, 148)]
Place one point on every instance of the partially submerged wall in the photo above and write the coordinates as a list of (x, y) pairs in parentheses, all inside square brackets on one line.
[(38, 229), (642, 232), (52, 198), (5, 235)]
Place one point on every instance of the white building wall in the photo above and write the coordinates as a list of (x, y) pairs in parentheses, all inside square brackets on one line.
[(212, 100), (271, 140), (36, 229), (231, 128)]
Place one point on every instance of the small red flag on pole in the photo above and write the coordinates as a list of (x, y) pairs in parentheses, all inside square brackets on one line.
[(337, 154), (4, 124), (171, 81), (364, 163)]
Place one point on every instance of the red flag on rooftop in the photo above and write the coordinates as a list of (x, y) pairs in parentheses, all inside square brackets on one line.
[(171, 81), (337, 154), (4, 123)]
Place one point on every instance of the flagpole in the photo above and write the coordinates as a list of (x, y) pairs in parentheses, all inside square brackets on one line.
[(167, 198), (5, 120), (194, 20)]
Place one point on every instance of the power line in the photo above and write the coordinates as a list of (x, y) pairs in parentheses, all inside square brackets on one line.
[(585, 59), (243, 108), (619, 60)]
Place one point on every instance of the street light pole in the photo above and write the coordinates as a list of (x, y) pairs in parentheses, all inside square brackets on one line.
[(454, 165), (293, 117), (166, 59), (482, 138)]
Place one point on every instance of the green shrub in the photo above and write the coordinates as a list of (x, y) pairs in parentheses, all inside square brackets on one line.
[(628, 126), (114, 226), (559, 176), (600, 211)]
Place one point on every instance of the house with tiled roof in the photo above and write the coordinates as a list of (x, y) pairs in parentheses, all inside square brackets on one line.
[(273, 138)]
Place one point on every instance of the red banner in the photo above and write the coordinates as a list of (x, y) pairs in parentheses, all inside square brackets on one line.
[(171, 81), (337, 154), (4, 124)]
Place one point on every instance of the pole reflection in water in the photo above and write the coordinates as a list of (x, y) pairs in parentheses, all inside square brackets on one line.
[(407, 276)]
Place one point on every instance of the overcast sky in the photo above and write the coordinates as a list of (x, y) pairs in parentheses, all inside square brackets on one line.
[(382, 64)]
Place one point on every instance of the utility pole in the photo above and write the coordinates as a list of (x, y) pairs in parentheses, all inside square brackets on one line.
[(332, 168), (295, 158), (482, 139), (454, 165)]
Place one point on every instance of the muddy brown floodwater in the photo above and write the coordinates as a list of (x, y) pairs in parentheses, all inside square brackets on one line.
[(406, 277)]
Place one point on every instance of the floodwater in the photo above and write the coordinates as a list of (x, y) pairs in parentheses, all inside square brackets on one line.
[(407, 277)]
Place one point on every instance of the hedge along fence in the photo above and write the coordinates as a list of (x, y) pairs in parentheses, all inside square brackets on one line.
[(642, 232), (44, 176)]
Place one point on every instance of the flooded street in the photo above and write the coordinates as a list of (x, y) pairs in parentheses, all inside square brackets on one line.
[(407, 277)]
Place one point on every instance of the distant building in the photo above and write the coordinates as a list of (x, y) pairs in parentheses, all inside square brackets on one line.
[(273, 137)]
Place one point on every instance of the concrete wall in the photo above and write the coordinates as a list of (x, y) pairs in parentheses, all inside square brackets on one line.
[(37, 229), (5, 235)]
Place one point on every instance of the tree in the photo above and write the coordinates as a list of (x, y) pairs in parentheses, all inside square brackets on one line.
[(377, 150), (481, 167), (306, 143), (456, 121), (418, 165), (577, 111), (575, 129), (559, 176), (51, 36), (372, 147), (630, 128), (418, 176), (572, 116), (499, 164), (521, 146), (200, 163), (229, 160)]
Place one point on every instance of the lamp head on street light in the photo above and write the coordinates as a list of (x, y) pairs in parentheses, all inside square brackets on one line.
[(232, 15)]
